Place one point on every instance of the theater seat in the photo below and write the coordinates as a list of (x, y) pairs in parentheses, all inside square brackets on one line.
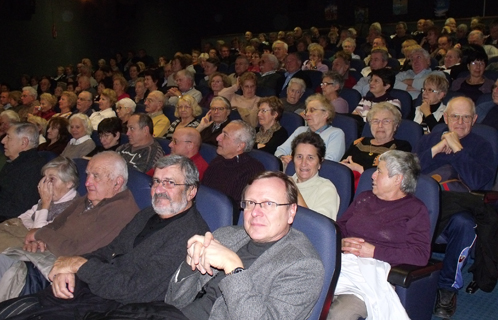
[(215, 207)]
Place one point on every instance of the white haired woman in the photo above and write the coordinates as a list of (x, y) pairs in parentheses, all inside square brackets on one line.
[(81, 144)]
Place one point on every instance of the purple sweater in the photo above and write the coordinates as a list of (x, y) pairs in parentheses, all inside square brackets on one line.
[(399, 229)]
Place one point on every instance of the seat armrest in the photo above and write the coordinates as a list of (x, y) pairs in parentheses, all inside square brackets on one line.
[(403, 275)]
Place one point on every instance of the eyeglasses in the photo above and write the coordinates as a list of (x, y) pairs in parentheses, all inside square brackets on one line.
[(150, 100), (385, 122), (477, 63), (263, 111), (166, 183), (267, 205), (326, 83), (184, 107), (430, 90), (214, 109), (466, 118), (312, 110), (178, 141)]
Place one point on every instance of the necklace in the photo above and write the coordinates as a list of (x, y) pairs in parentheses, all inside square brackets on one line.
[(370, 153)]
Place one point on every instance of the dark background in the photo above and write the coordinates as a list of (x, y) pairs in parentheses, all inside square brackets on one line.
[(100, 28)]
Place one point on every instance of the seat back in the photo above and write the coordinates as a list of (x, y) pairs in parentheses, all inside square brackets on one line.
[(326, 239), (349, 126), (352, 96), (169, 112), (269, 161), (340, 175), (357, 64), (408, 130), (208, 152), (315, 76), (139, 185), (393, 64), (291, 121), (81, 166), (427, 191), (215, 207), (406, 101), (164, 145), (48, 155)]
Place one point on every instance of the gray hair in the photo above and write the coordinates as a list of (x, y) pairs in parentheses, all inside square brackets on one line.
[(66, 170), (463, 27), (324, 103), (478, 33), (384, 53), (246, 134), (85, 120), (186, 165), (350, 40), (29, 131), (118, 168), (381, 106), (189, 75), (424, 52), (336, 77), (127, 103), (225, 101), (405, 164), (299, 82), (32, 92), (11, 115), (466, 99), (274, 61), (286, 46)]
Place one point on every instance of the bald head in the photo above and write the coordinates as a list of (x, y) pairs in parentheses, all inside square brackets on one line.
[(185, 142)]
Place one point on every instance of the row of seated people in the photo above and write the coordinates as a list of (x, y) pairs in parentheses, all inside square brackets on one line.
[(309, 153)]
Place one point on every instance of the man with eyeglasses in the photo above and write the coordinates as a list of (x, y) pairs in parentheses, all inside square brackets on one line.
[(460, 161), (154, 104), (84, 103), (265, 269), (137, 265), (215, 120), (293, 71)]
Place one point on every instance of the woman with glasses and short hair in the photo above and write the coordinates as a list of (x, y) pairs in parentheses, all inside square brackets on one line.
[(430, 112), (187, 109), (332, 84), (384, 119), (270, 134), (319, 115)]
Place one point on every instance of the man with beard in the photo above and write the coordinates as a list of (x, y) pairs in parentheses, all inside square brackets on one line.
[(134, 268)]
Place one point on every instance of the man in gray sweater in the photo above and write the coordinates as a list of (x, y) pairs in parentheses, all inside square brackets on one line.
[(137, 265)]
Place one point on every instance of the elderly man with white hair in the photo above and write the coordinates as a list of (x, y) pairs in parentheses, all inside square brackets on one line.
[(19, 177), (269, 78), (349, 45), (185, 82), (412, 81), (477, 37)]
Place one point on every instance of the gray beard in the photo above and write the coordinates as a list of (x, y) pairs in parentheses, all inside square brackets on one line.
[(171, 210)]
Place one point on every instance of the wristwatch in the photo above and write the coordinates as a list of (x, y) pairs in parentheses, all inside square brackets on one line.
[(236, 270)]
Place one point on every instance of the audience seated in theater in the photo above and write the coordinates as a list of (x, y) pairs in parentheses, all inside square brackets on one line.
[(215, 120), (133, 73), (19, 177), (67, 102), (476, 83), (58, 136), (41, 125), (81, 143), (107, 100), (187, 110), (179, 62), (151, 247), (293, 70), (154, 104), (139, 97), (110, 130), (452, 63), (349, 46), (185, 81), (105, 83), (28, 99), (241, 66), (124, 109), (389, 225), (270, 134), (295, 90), (230, 171), (217, 82), (341, 65), (476, 37), (57, 189), (151, 81), (84, 103), (84, 85), (142, 152), (444, 43), (378, 60), (429, 42), (45, 109), (5, 100), (269, 77), (488, 111), (255, 58), (384, 119), (407, 48), (381, 83), (319, 115), (332, 84), (413, 80), (430, 112), (315, 59), (460, 161), (120, 86), (400, 36), (315, 192), (89, 223), (210, 66)]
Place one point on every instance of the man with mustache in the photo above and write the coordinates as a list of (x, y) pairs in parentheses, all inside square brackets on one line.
[(137, 265)]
